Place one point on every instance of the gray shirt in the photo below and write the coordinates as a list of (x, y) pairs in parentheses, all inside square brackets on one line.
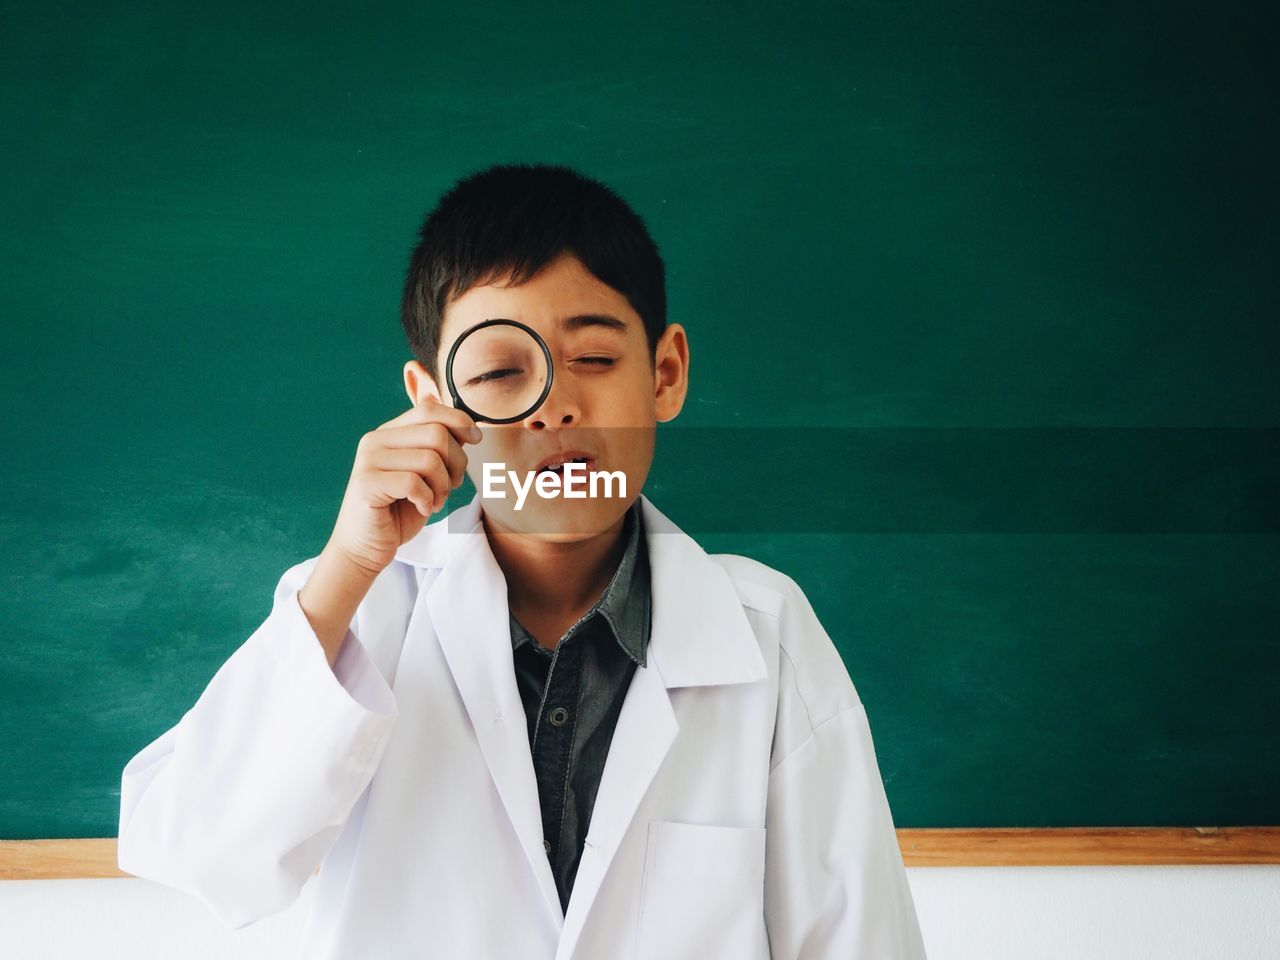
[(572, 697)]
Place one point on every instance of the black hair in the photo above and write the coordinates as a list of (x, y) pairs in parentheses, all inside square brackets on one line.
[(509, 221)]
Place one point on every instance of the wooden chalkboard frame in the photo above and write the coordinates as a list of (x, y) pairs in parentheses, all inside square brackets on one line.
[(951, 847)]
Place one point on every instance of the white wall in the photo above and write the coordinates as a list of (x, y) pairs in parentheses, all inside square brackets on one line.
[(1027, 913)]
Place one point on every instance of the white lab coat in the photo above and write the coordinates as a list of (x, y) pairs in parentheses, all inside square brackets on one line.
[(740, 816)]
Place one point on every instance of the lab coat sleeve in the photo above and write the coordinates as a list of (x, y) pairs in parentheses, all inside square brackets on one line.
[(835, 884), (240, 801)]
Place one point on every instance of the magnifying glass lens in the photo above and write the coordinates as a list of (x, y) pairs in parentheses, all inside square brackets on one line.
[(499, 371)]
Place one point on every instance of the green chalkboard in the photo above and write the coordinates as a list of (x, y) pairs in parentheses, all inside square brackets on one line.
[(981, 304)]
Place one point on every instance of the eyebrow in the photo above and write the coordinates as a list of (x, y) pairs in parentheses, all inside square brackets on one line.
[(581, 320)]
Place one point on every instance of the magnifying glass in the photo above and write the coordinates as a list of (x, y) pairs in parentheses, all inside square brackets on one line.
[(498, 371)]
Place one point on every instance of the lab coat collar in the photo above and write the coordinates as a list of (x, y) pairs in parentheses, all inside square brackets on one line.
[(699, 636), (699, 633)]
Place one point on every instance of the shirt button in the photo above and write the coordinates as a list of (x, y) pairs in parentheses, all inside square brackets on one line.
[(546, 845), (558, 716)]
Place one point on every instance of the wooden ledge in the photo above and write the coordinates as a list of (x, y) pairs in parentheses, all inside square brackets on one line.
[(989, 847), (1088, 846)]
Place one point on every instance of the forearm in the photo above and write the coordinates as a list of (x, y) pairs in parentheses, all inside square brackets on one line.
[(330, 597)]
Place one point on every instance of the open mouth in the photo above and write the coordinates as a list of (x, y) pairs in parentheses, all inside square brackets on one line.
[(556, 464)]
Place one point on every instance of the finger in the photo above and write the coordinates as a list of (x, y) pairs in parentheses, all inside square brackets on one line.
[(443, 442), (435, 436), (456, 462), (406, 485), (460, 423), (425, 463)]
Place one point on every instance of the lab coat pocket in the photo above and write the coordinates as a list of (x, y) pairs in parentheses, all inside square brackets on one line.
[(702, 895)]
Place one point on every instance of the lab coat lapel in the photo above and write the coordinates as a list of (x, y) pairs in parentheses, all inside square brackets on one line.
[(468, 606), (699, 636)]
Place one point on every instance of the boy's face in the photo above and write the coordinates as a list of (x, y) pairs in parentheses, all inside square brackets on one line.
[(606, 396)]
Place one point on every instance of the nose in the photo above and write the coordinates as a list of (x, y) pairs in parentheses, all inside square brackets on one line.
[(560, 407)]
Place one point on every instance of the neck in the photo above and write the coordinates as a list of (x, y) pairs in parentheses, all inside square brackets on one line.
[(549, 581)]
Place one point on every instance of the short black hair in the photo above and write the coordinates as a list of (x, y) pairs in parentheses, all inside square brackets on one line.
[(509, 221)]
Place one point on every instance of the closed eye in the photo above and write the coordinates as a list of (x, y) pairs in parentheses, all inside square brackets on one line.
[(600, 361), (491, 375)]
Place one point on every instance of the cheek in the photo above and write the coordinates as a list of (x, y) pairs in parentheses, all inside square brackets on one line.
[(627, 398), (496, 447), (632, 450)]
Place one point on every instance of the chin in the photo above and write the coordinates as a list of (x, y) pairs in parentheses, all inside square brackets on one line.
[(558, 520)]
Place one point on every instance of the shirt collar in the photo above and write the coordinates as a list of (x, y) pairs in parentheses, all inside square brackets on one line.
[(625, 605)]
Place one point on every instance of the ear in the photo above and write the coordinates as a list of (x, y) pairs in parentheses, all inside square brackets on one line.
[(670, 373), (418, 383)]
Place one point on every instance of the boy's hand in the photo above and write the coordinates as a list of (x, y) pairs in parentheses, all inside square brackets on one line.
[(403, 472)]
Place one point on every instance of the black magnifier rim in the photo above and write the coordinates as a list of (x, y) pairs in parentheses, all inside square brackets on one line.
[(453, 390)]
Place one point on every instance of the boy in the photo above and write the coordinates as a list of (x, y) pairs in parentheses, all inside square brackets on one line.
[(558, 732)]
